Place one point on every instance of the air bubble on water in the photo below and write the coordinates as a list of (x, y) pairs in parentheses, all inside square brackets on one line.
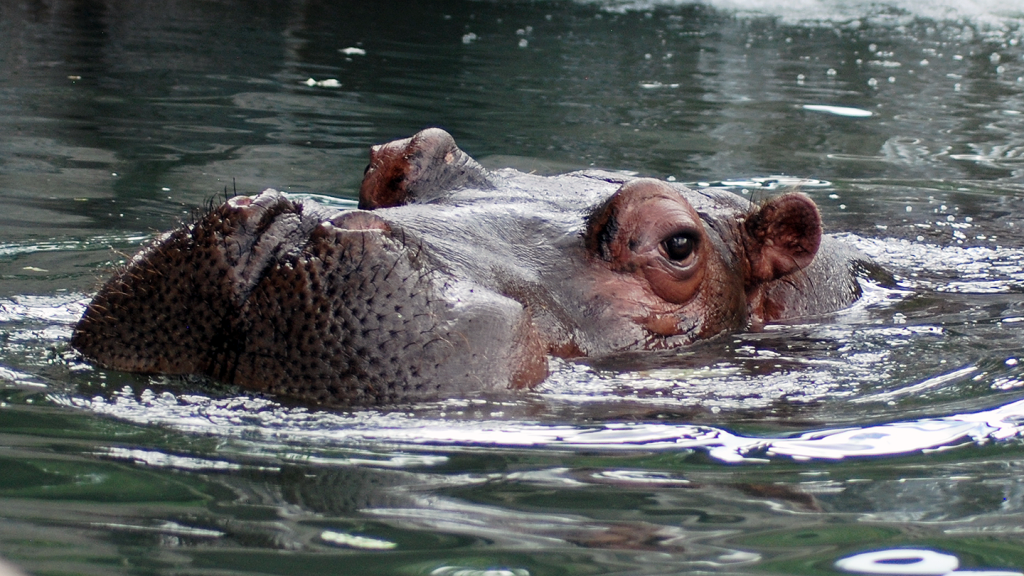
[(892, 79), (910, 208), (872, 82), (831, 72), (1011, 362), (523, 43), (995, 58), (469, 38), (800, 78)]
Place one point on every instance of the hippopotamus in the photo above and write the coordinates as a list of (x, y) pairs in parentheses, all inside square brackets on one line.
[(451, 279)]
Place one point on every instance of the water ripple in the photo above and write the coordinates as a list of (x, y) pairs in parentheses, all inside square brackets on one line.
[(258, 418)]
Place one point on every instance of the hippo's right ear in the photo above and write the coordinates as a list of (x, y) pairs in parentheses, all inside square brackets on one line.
[(418, 169), (781, 236)]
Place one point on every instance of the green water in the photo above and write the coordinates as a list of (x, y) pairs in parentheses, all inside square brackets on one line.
[(119, 119)]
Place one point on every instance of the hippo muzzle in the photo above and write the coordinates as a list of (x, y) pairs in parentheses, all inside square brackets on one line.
[(300, 301)]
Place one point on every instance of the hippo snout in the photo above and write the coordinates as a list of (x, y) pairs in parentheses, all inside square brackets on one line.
[(294, 299)]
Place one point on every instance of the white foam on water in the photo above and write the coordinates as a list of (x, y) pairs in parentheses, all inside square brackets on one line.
[(251, 418), (972, 269), (985, 13), (838, 110), (911, 562)]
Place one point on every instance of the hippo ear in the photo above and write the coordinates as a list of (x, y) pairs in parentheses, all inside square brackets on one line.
[(418, 169), (781, 236)]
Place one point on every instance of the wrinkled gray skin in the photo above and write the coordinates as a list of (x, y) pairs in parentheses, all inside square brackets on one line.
[(452, 279)]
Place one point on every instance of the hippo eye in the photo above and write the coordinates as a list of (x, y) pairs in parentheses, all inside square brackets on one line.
[(680, 246)]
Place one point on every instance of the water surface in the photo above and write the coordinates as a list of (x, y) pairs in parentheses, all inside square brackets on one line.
[(892, 427)]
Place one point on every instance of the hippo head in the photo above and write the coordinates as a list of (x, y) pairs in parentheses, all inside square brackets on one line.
[(451, 279), (670, 277)]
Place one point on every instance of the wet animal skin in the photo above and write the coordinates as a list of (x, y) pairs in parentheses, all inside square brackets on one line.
[(451, 279)]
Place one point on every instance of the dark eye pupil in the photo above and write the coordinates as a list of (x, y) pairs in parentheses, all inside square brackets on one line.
[(678, 247)]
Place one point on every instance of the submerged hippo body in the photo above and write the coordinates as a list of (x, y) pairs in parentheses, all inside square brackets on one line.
[(451, 279)]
